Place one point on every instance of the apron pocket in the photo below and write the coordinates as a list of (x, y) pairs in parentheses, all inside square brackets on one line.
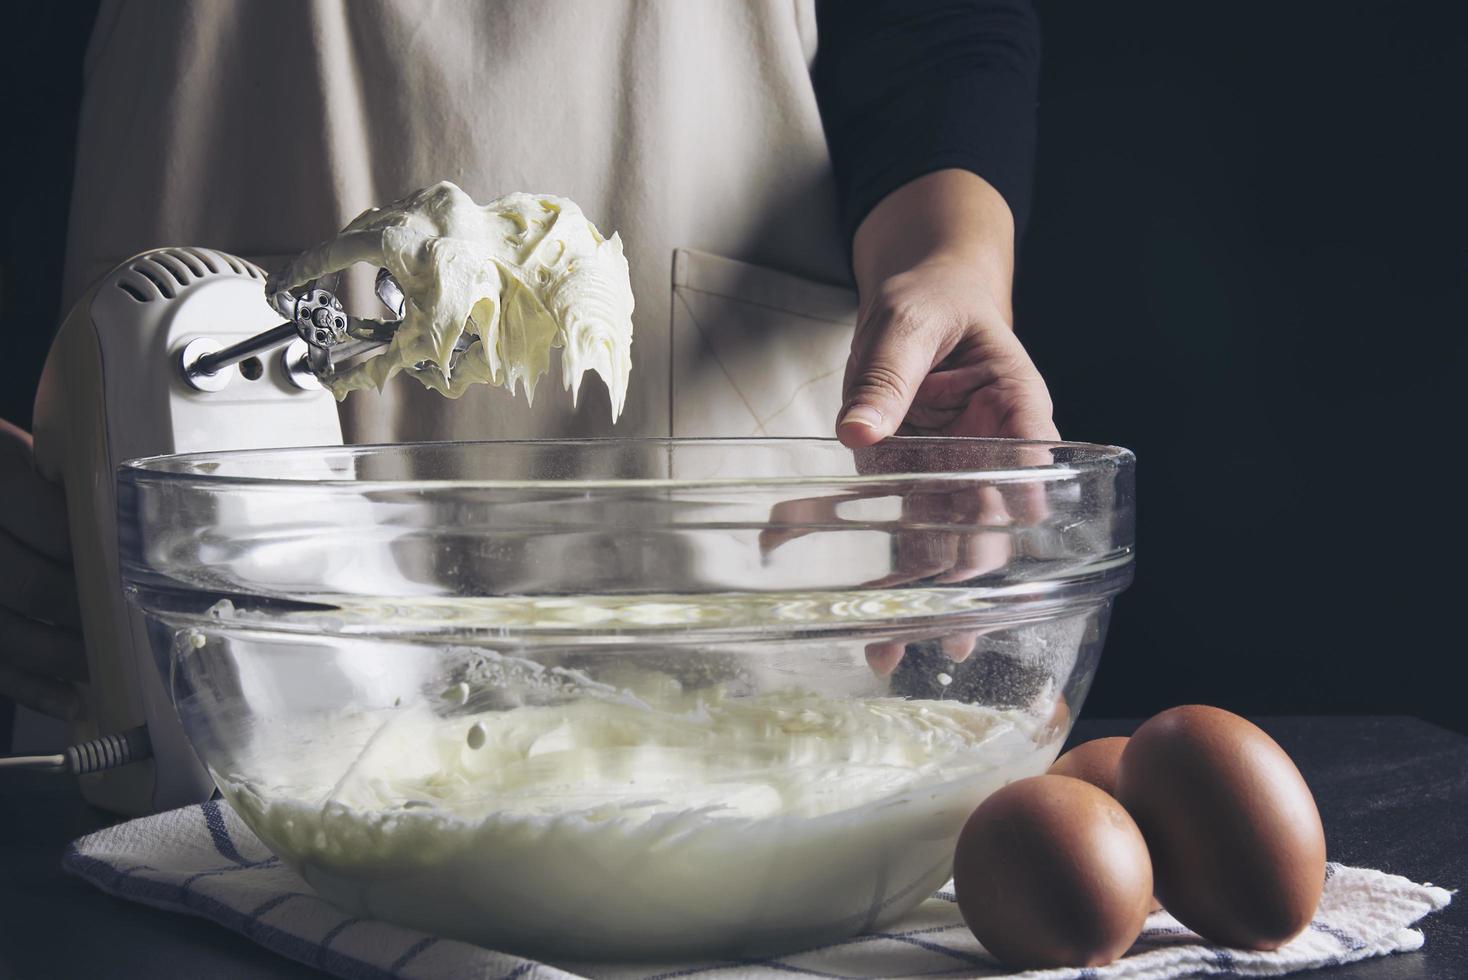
[(755, 351)]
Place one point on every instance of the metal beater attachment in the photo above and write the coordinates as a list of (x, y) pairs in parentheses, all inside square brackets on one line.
[(330, 339)]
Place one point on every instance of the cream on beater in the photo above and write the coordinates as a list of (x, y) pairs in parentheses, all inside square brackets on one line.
[(505, 282)]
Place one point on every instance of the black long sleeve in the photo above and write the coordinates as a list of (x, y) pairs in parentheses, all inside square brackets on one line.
[(907, 87)]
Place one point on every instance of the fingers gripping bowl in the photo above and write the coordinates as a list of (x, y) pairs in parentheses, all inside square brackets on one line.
[(632, 698)]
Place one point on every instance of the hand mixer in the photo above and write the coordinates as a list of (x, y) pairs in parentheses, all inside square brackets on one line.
[(164, 354)]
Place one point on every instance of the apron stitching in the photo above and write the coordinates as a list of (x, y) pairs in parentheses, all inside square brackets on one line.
[(765, 306), (715, 355), (796, 394)]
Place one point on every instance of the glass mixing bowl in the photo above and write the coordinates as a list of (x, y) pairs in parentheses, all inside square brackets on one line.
[(627, 698)]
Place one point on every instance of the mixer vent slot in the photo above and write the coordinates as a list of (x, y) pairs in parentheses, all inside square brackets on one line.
[(190, 260), (246, 268), (219, 261), (205, 259), (150, 273), (169, 270), (173, 266), (132, 291)]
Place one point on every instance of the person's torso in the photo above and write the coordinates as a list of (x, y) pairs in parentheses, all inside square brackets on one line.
[(689, 128)]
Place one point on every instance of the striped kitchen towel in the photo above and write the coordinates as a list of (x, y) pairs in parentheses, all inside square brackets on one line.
[(202, 860)]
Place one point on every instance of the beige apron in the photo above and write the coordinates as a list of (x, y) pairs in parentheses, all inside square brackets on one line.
[(689, 126)]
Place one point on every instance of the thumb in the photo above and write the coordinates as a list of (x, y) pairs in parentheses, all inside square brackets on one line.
[(881, 383)]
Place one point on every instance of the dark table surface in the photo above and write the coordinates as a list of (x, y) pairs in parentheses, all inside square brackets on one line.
[(1393, 793)]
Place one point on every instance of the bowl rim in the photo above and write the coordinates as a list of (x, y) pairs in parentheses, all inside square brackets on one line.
[(187, 467)]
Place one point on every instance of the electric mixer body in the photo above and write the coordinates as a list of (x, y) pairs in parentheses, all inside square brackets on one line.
[(118, 386)]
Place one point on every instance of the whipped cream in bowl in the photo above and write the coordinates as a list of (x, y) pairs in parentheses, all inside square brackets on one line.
[(641, 821)]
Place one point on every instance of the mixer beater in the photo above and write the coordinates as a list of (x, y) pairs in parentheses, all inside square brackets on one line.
[(324, 340)]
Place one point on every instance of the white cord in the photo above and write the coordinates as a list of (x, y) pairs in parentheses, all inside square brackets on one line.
[(45, 763), (106, 752)]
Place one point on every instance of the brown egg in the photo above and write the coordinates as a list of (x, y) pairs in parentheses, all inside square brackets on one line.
[(1050, 871), (1093, 762), (1236, 841)]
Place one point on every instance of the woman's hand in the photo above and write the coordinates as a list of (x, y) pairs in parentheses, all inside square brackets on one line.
[(41, 650), (934, 352)]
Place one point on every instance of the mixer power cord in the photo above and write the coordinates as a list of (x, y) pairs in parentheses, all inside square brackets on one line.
[(106, 752)]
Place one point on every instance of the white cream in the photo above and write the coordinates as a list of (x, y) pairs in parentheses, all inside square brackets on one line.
[(603, 826), (514, 278)]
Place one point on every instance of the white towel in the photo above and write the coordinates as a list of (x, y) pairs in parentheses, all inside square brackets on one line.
[(202, 860)]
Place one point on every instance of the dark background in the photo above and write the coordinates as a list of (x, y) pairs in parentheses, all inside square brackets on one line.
[(1248, 263)]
